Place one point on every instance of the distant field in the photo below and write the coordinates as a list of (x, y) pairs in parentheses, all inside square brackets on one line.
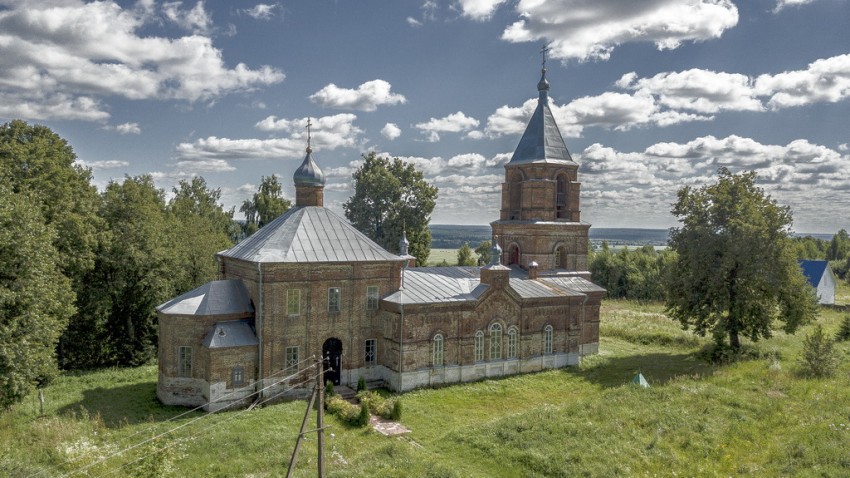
[(438, 255), (757, 417)]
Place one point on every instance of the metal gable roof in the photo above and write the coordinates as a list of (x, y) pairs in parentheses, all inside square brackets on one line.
[(434, 285), (813, 270), (220, 297), (309, 234)]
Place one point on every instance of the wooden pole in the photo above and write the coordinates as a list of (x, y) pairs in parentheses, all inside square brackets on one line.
[(301, 434), (320, 417)]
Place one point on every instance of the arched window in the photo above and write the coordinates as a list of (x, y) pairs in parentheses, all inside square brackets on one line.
[(438, 350), (560, 257), (547, 339), (515, 193), (479, 346), (512, 343), (513, 254), (495, 342), (561, 195)]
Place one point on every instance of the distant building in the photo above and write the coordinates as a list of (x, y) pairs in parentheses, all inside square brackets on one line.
[(309, 284), (820, 276)]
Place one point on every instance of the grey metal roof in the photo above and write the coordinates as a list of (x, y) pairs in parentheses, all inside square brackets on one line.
[(236, 333), (220, 297), (309, 173), (309, 234), (427, 285), (433, 285), (542, 141), (572, 283)]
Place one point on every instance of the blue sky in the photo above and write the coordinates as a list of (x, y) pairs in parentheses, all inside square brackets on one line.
[(649, 95)]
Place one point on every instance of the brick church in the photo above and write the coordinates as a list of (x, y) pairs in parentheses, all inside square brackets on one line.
[(309, 284)]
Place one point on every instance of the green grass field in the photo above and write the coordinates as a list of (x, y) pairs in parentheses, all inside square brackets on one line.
[(756, 417), (438, 255)]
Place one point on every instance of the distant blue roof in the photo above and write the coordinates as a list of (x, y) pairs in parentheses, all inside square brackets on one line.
[(813, 270)]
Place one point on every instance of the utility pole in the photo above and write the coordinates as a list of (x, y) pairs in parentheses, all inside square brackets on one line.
[(320, 416), (318, 391)]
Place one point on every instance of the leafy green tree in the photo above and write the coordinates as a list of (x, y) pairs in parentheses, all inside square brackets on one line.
[(137, 268), (37, 162), (839, 247), (36, 299), (202, 228), (484, 251), (736, 271), (389, 196), (266, 204), (464, 256)]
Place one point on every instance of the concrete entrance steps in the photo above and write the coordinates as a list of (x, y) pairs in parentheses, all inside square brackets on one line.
[(345, 392)]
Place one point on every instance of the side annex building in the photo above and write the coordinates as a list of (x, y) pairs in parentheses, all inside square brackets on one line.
[(309, 284)]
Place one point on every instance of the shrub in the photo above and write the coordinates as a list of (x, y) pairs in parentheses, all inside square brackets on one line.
[(361, 384), (843, 330), (818, 358), (329, 389), (363, 417), (396, 413), (381, 406), (345, 411)]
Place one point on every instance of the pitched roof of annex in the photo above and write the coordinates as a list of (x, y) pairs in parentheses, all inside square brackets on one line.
[(219, 297)]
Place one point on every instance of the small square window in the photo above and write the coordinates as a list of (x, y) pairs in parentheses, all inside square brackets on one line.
[(333, 299), (291, 357), (237, 376), (371, 356), (372, 297), (184, 362), (293, 302)]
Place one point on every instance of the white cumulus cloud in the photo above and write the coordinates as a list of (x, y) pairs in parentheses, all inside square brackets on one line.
[(60, 60), (261, 11), (366, 97), (453, 123), (390, 131), (591, 29)]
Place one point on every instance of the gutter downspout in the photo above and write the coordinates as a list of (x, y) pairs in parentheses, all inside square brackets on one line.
[(259, 325), (401, 330)]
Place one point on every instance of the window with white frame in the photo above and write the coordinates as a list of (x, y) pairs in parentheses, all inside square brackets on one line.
[(237, 376), (333, 299), (293, 302), (479, 346), (512, 343), (184, 362), (547, 339), (438, 351), (495, 342), (291, 357), (371, 356), (372, 297)]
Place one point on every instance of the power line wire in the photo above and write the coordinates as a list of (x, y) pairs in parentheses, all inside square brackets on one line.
[(182, 414), (203, 430), (101, 460)]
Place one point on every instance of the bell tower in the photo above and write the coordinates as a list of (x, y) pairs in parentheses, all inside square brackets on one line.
[(540, 218)]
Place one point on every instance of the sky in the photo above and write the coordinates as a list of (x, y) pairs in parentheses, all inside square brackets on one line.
[(650, 96)]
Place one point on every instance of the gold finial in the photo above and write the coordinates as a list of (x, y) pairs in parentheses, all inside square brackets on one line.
[(309, 138)]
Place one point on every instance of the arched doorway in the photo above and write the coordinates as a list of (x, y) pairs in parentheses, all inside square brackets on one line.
[(332, 354)]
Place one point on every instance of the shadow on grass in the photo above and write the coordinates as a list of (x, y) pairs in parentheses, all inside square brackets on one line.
[(123, 405), (657, 368)]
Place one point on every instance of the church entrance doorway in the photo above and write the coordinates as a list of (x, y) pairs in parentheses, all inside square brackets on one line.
[(332, 353)]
